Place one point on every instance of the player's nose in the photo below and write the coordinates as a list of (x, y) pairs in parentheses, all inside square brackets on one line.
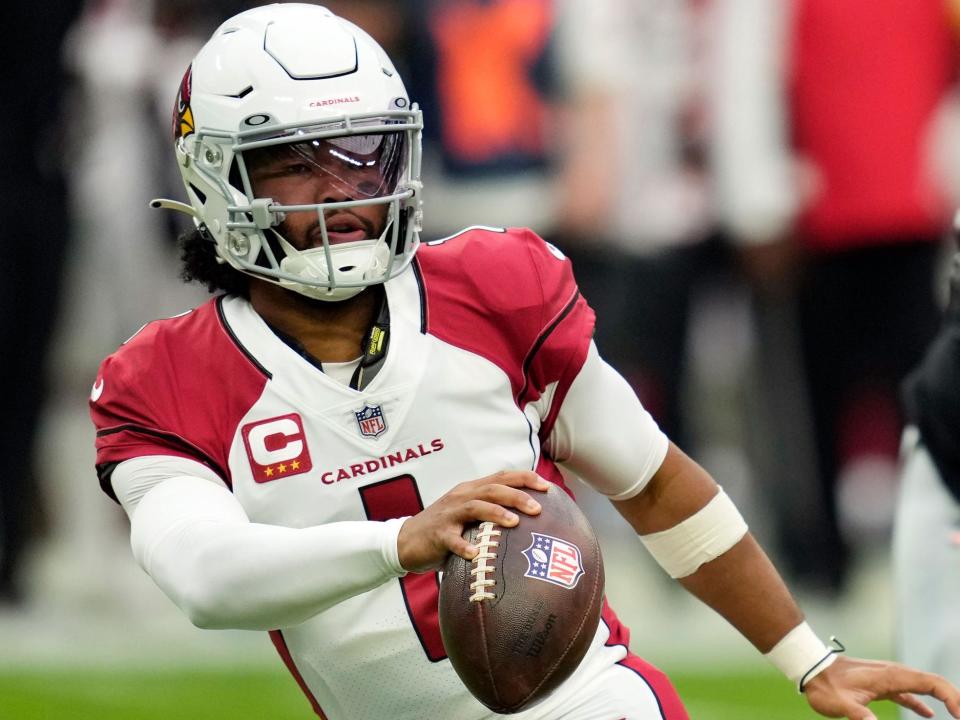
[(328, 190)]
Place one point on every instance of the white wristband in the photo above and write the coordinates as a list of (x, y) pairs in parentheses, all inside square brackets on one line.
[(801, 655), (703, 536)]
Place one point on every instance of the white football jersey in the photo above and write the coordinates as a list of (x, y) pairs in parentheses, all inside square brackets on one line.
[(487, 332)]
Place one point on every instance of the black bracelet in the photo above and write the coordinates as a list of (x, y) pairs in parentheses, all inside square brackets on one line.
[(837, 648)]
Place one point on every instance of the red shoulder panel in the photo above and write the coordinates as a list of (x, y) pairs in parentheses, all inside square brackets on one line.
[(178, 387), (509, 297)]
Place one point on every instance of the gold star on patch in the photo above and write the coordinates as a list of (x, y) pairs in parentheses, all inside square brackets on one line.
[(268, 471), (281, 468), (295, 465)]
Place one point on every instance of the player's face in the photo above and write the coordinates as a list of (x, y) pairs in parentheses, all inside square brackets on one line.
[(358, 167)]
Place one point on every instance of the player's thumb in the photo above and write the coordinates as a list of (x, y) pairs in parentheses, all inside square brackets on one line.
[(853, 710)]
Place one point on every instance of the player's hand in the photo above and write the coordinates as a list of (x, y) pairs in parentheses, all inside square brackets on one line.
[(845, 689), (428, 537)]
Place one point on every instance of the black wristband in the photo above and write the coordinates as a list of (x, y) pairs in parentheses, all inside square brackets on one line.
[(837, 648)]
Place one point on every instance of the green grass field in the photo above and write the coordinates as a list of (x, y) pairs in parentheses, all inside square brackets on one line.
[(259, 694)]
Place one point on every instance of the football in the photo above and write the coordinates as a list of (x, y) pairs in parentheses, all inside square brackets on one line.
[(518, 619)]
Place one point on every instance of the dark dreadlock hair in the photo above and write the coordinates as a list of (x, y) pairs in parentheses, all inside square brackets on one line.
[(201, 265)]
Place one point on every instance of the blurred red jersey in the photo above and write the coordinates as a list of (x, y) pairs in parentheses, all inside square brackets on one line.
[(867, 78)]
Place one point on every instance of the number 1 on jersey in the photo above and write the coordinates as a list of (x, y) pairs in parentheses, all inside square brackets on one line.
[(399, 497)]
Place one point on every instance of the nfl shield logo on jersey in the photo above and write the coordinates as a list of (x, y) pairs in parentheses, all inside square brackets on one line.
[(371, 421), (553, 560)]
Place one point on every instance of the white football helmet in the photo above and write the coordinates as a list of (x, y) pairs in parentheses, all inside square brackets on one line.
[(295, 81)]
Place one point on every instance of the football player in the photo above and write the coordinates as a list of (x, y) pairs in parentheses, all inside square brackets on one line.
[(927, 527), (301, 453)]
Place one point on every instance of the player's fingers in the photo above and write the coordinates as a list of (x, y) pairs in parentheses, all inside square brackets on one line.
[(912, 702), (858, 712), (481, 510), (944, 691), (947, 693), (930, 684), (459, 546), (517, 479), (509, 497), (847, 707)]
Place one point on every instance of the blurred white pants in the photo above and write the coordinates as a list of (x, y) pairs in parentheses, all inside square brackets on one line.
[(926, 563)]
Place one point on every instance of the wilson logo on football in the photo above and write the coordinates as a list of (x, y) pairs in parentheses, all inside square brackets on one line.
[(276, 448), (553, 560)]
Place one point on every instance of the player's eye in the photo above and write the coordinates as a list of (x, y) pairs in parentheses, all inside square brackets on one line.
[(281, 170), (295, 168), (366, 187)]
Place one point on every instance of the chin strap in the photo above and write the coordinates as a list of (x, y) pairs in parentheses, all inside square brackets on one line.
[(164, 204)]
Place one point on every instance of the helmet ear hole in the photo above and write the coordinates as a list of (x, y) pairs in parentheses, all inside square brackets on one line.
[(234, 177), (201, 196)]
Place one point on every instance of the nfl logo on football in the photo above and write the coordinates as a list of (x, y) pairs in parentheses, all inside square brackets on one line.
[(553, 560), (371, 421)]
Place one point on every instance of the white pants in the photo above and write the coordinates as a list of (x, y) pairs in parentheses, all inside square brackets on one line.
[(926, 563), (626, 691)]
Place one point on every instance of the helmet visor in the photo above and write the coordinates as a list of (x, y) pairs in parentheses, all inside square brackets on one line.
[(350, 167)]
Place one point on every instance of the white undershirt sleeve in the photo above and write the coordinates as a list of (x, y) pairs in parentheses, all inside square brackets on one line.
[(194, 539), (603, 433)]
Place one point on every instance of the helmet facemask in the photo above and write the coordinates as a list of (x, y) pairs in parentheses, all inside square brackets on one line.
[(330, 212)]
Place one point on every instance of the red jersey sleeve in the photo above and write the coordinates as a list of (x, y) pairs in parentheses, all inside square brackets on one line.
[(171, 390), (510, 297)]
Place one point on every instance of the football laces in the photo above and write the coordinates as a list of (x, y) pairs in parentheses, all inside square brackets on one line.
[(486, 543)]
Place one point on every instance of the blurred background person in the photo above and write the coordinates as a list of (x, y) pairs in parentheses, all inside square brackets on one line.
[(124, 56), (385, 20), (825, 114), (927, 528), (638, 217), (634, 213), (82, 138), (32, 255), (485, 74)]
